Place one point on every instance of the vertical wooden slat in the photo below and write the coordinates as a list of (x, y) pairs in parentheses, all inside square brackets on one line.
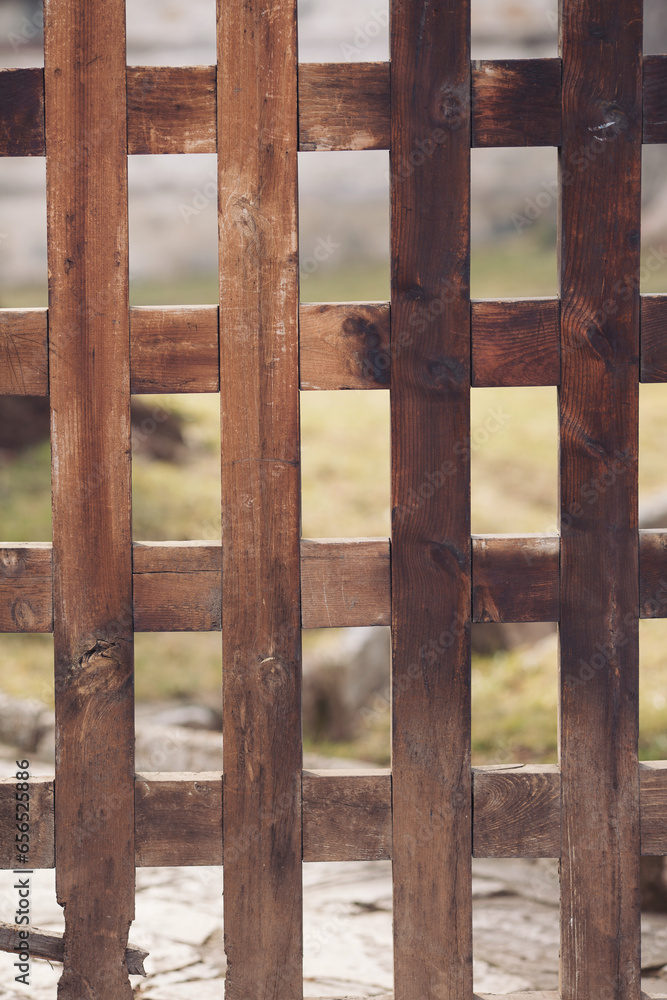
[(431, 549), (599, 251), (259, 385), (89, 384)]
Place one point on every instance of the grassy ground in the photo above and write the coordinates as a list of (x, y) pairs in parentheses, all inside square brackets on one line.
[(346, 493)]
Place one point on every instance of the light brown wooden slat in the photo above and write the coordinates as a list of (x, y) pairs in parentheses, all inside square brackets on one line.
[(516, 102), (24, 369), (515, 576), (171, 109), (174, 349), (345, 582), (344, 106), (89, 386), (599, 255), (516, 811), (177, 587), (25, 588), (346, 815), (515, 342), (344, 345), (261, 515)]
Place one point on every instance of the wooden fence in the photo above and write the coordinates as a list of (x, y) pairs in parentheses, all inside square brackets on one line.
[(432, 813)]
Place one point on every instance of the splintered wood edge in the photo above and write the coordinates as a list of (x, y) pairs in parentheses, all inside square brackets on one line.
[(346, 815), (345, 582)]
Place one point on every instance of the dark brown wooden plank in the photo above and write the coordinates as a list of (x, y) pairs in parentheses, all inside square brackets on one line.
[(654, 338), (179, 817), (345, 582), (22, 112), (24, 369), (259, 395), (171, 109), (344, 106), (174, 349), (89, 383), (515, 578), (516, 102), (516, 811), (344, 345), (431, 548), (25, 588), (346, 815), (50, 945), (515, 342), (653, 574), (655, 99), (599, 254), (41, 823), (653, 786)]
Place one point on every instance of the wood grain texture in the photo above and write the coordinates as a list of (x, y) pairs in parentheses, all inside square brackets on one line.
[(654, 338), (171, 109), (25, 588), (259, 395), (174, 349), (599, 254), (508, 568), (178, 816), (50, 945), (345, 582), (516, 811), (24, 368), (515, 342), (516, 102), (346, 815), (431, 548), (344, 345), (653, 574), (655, 99), (344, 106), (22, 112), (89, 383)]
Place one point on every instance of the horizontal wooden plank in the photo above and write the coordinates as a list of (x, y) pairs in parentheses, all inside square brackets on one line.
[(344, 345), (516, 102), (345, 582), (174, 349), (342, 106), (24, 368), (22, 112), (655, 99), (654, 338), (515, 342), (517, 811), (515, 578), (346, 815), (51, 945), (25, 587)]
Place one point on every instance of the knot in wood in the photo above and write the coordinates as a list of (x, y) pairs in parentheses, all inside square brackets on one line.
[(273, 676)]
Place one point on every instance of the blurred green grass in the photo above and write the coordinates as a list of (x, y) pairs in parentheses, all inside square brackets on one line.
[(345, 468)]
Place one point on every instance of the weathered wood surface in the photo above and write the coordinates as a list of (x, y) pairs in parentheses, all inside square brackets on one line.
[(345, 582), (259, 394), (25, 588), (21, 112), (655, 99), (89, 383), (177, 587), (171, 109), (431, 547), (344, 106), (653, 574), (654, 338), (49, 945), (516, 102), (346, 814), (23, 351), (599, 253), (174, 349), (515, 342), (516, 811), (508, 568), (344, 345)]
